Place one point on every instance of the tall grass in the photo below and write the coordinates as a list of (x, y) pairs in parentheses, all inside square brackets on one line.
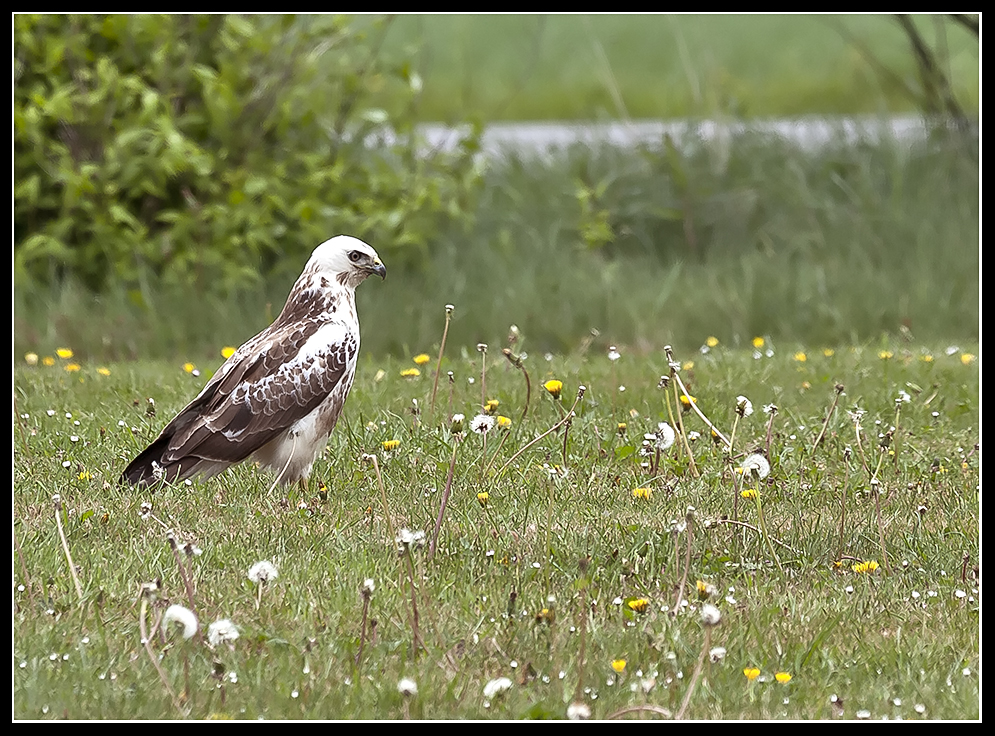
[(748, 236)]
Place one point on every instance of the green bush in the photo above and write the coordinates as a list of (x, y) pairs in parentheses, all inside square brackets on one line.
[(214, 151)]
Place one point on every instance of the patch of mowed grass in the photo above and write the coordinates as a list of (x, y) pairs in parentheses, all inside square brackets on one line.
[(538, 582), (535, 67), (734, 237)]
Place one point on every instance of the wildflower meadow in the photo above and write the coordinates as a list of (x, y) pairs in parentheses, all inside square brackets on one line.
[(739, 532)]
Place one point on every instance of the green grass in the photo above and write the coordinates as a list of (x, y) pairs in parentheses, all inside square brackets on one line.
[(535, 67), (885, 642)]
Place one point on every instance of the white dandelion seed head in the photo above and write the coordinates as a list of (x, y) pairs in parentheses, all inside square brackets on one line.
[(221, 631), (903, 397), (665, 436), (183, 616), (496, 687), (613, 353), (368, 586), (158, 472), (770, 408), (145, 510), (717, 654), (710, 615), (482, 423), (262, 572), (407, 687), (578, 711), (756, 464), (744, 407), (406, 539)]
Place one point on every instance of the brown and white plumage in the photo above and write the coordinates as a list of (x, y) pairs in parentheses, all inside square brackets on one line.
[(277, 398)]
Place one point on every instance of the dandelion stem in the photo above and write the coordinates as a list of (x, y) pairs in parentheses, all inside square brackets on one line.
[(438, 365), (483, 379), (171, 538), (383, 499), (362, 631), (517, 362), (860, 446), (825, 424), (445, 500), (583, 646), (57, 500), (152, 658), (416, 640), (846, 490), (497, 452), (694, 677), (580, 394), (694, 407), (687, 566), (664, 381)]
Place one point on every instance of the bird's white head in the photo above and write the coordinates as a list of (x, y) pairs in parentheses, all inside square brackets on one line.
[(347, 259)]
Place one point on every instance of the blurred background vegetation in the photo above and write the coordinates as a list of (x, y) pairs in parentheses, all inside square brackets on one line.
[(172, 174)]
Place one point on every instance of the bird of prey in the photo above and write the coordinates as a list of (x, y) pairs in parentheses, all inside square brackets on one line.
[(277, 398)]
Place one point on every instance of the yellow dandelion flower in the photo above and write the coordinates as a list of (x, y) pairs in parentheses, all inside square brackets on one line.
[(491, 406), (31, 358), (72, 367), (800, 357), (783, 677), (711, 341), (705, 590), (410, 373), (545, 614), (966, 358), (103, 371), (483, 497), (503, 422), (758, 342), (390, 445), (421, 359), (554, 387), (829, 352), (686, 403), (886, 354), (189, 367), (862, 568), (752, 673), (83, 475), (618, 665), (227, 351), (64, 353), (749, 493), (48, 360), (621, 428), (639, 605), (642, 493), (687, 366), (926, 358)]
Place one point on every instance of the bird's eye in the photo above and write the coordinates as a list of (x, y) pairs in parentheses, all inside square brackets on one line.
[(355, 256)]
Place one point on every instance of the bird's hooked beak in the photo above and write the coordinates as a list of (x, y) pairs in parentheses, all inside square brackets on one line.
[(379, 269)]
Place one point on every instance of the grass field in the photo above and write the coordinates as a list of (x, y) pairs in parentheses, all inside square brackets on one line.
[(549, 67), (575, 577)]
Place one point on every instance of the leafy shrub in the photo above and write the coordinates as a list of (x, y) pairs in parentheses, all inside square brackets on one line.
[(215, 150)]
